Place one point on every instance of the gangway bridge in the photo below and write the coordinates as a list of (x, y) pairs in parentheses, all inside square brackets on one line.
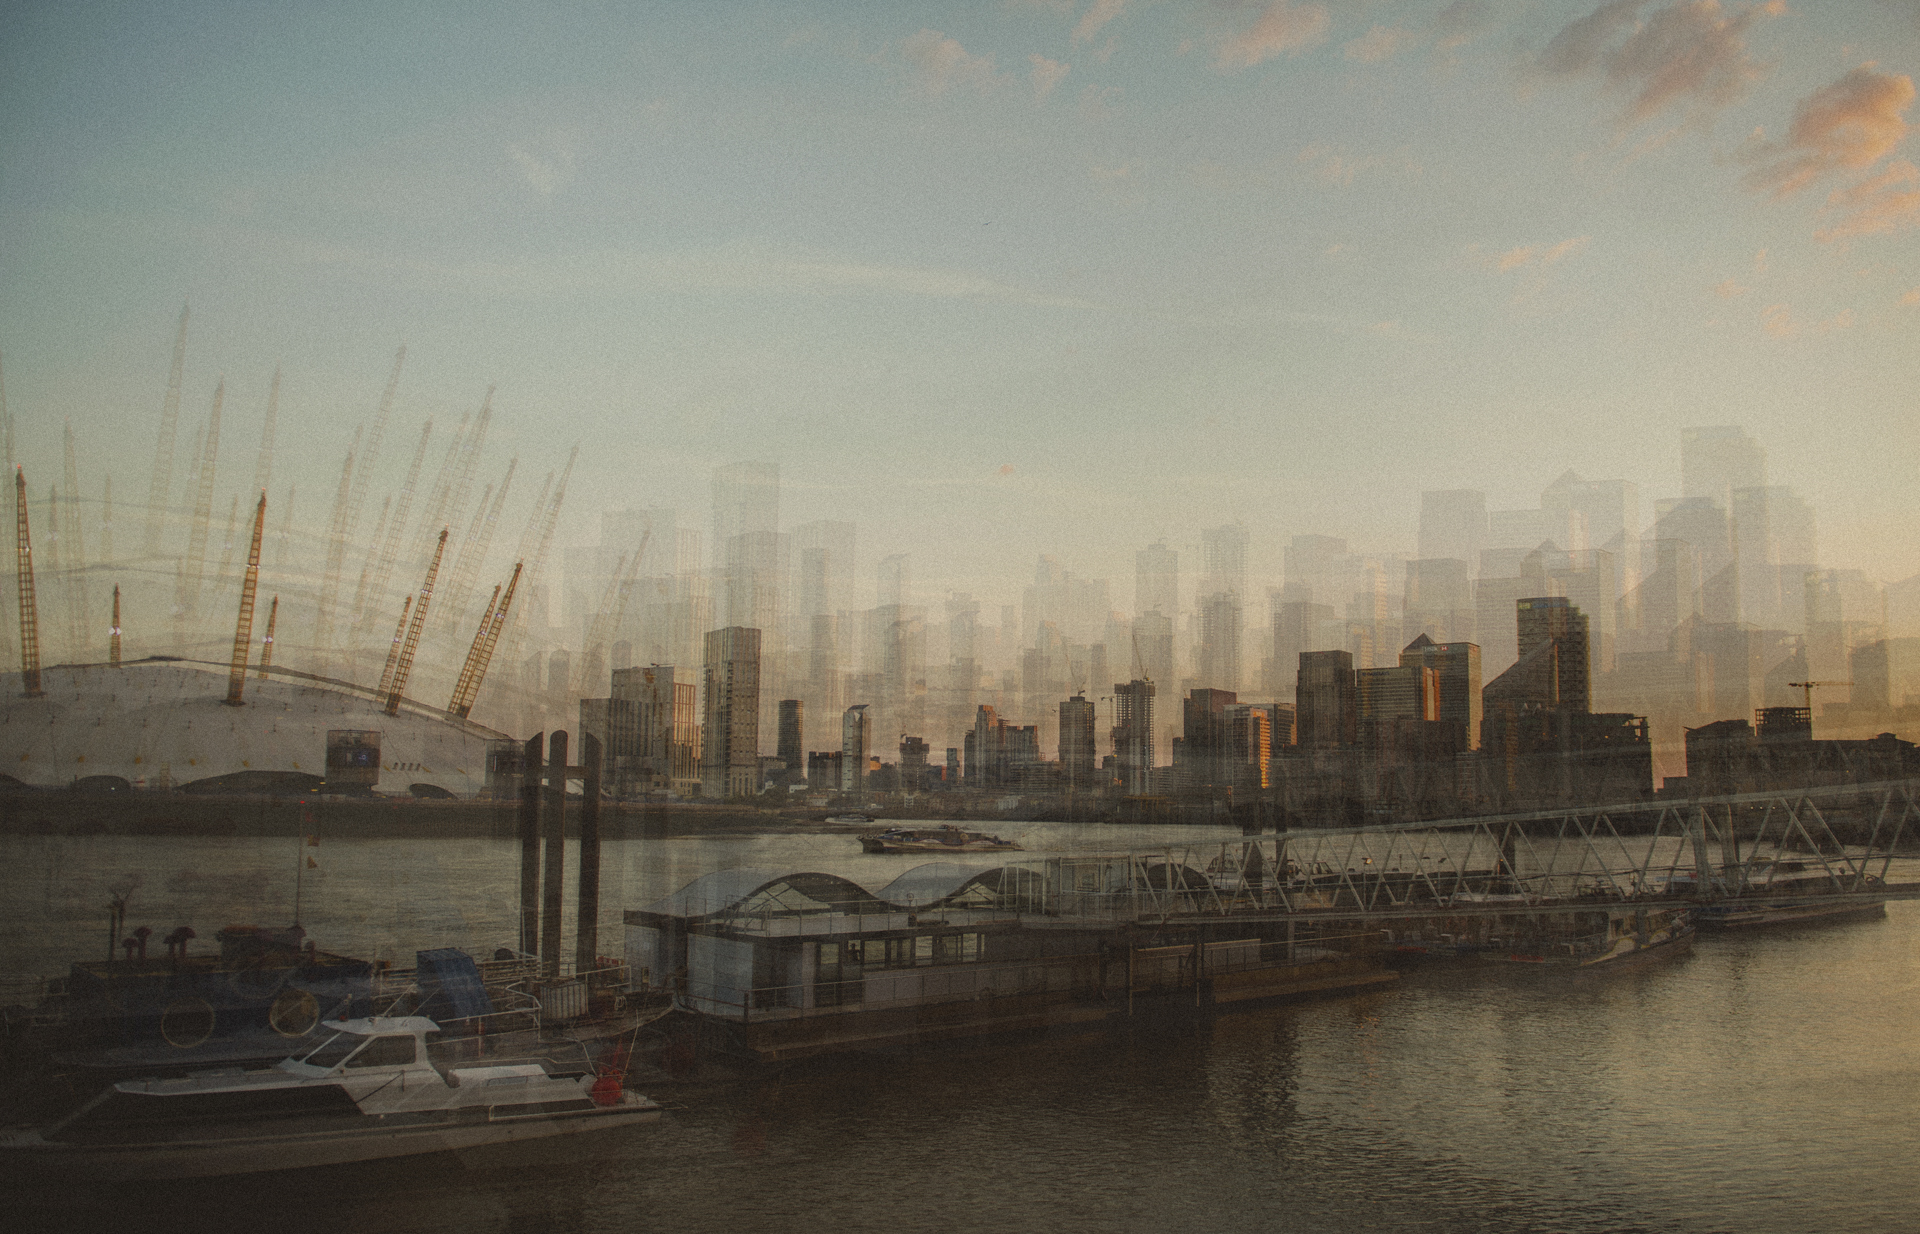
[(1849, 844)]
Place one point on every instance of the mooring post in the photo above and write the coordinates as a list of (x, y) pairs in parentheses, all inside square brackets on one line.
[(554, 882), (587, 928), (530, 786)]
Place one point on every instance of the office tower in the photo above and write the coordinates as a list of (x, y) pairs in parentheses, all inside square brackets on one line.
[(891, 581), (1401, 692), (854, 735), (730, 763), (1078, 607), (1715, 460), (984, 742), (1773, 547), (913, 764), (825, 553), (1250, 737), (1219, 652), (1156, 580), (1457, 683), (1553, 621), (1608, 513), (1453, 524), (793, 748), (1589, 580), (1202, 759), (1316, 567), (666, 732), (1438, 601), (1300, 626), (1078, 757), (746, 499), (1133, 735), (1223, 560), (1153, 646), (1326, 709)]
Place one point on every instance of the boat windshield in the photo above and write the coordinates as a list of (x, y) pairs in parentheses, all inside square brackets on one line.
[(334, 1050)]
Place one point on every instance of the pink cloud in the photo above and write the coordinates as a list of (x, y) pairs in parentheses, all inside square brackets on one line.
[(1881, 204), (1281, 27), (1688, 51), (1046, 74), (1098, 14), (1845, 125)]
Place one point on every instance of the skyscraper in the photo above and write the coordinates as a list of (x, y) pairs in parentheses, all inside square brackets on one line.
[(1453, 523), (1223, 559), (1133, 735), (1078, 760), (1156, 580), (730, 763), (1717, 459), (793, 746), (1219, 653), (1326, 708), (1553, 621), (854, 739), (1457, 670)]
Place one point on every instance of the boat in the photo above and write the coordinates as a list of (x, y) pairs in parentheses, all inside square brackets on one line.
[(368, 1090), (1812, 895), (946, 838), (854, 820), (1628, 939)]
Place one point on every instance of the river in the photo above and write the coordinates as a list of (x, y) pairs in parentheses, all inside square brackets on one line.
[(1768, 1081)]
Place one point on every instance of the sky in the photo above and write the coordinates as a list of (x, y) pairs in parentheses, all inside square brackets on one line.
[(991, 279)]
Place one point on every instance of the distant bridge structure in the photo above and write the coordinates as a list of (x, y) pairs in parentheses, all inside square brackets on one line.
[(1845, 844)]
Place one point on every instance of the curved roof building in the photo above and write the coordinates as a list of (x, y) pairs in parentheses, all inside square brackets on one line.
[(161, 723)]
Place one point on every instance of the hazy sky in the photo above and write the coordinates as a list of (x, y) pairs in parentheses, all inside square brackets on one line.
[(992, 279)]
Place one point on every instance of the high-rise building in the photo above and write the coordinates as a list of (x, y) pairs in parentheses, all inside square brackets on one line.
[(1554, 621), (1456, 668), (1219, 651), (1453, 524), (1079, 759), (1223, 560), (666, 732), (854, 737), (1156, 580), (1153, 641), (1300, 626), (793, 748), (730, 763), (891, 581), (1204, 756), (1402, 692), (1717, 459), (1326, 707), (1439, 600), (1133, 735)]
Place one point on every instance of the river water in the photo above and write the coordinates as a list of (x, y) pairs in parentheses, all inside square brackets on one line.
[(1766, 1082)]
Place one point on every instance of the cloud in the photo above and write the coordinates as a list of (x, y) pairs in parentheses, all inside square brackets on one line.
[(1692, 50), (1098, 14), (1099, 102), (1845, 125), (1730, 289), (1045, 75), (1461, 22), (1379, 43), (1778, 321), (941, 64), (1911, 298), (1538, 255), (1334, 167), (1281, 27), (1884, 203), (547, 163)]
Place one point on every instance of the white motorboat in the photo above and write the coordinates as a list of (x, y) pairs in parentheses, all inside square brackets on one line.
[(368, 1090)]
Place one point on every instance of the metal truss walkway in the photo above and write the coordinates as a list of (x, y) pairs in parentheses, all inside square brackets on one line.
[(1847, 844)]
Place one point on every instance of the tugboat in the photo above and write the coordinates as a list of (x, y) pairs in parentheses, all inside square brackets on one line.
[(368, 1090), (946, 838)]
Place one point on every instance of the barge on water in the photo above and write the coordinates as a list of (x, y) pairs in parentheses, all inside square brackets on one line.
[(792, 964)]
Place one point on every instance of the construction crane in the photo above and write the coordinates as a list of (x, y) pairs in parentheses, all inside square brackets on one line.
[(266, 644), (473, 550), (336, 550), (396, 527), (162, 487), (243, 628), (405, 666), (189, 591), (549, 518), (29, 609), (263, 465), (370, 455), (468, 687)]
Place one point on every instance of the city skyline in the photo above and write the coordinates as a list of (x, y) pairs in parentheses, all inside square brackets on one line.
[(1367, 254)]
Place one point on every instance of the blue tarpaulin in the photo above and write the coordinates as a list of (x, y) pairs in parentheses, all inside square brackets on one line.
[(450, 985)]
